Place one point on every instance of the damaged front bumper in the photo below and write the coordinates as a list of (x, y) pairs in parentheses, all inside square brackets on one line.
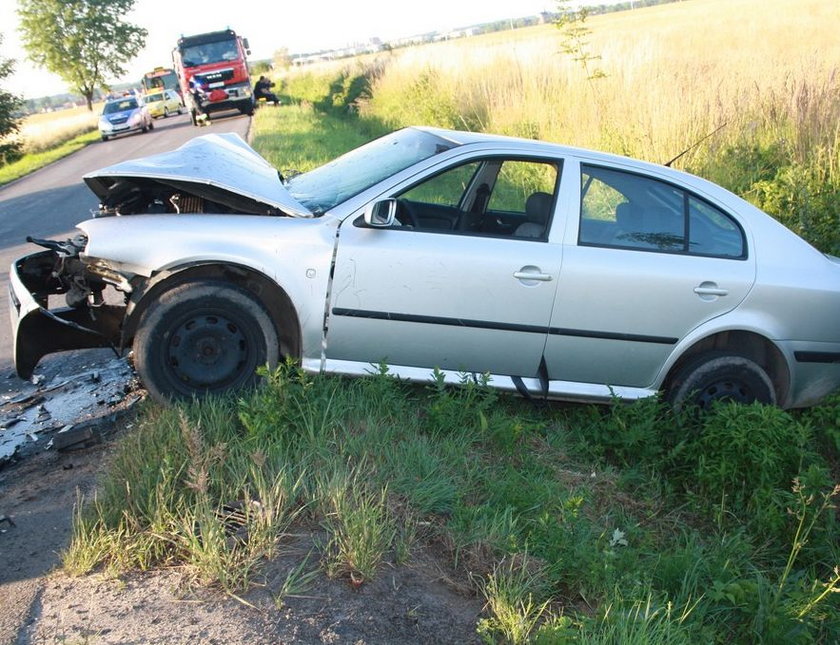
[(38, 330)]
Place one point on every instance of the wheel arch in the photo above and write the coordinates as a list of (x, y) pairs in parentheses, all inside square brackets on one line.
[(270, 295), (749, 344)]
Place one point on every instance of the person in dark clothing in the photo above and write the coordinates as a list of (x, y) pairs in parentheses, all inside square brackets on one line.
[(262, 90)]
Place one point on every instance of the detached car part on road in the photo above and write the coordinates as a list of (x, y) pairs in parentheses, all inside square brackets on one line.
[(562, 273)]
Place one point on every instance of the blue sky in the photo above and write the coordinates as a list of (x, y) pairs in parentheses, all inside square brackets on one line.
[(269, 24)]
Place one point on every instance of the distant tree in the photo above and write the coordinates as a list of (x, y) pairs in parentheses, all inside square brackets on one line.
[(82, 41), (10, 149), (260, 67), (282, 59)]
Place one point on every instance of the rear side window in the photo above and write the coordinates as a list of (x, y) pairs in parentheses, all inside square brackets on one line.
[(625, 210)]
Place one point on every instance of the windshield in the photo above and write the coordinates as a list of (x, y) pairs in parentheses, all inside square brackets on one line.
[(352, 173), (205, 53), (119, 106)]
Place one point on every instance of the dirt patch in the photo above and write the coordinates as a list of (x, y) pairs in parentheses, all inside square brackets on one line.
[(400, 606), (39, 604)]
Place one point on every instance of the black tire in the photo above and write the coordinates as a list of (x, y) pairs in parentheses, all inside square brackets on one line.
[(202, 338), (104, 137), (151, 125), (166, 113), (717, 376)]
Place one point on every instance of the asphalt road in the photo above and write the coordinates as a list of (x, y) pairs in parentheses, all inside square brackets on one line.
[(49, 202)]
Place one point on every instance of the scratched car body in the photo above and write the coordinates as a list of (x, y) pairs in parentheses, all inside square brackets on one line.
[(561, 273)]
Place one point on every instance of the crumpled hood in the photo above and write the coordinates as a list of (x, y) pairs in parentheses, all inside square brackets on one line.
[(216, 161)]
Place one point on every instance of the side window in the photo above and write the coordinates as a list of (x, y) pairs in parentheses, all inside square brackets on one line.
[(711, 232), (625, 210), (489, 196), (445, 189), (516, 181)]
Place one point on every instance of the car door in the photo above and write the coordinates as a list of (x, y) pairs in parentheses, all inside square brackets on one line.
[(651, 262), (432, 293)]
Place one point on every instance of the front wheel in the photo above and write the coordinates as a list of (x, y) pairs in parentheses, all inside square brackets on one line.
[(203, 338), (720, 377)]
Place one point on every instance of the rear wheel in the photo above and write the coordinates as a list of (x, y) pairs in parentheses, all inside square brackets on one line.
[(202, 338), (104, 137), (722, 377)]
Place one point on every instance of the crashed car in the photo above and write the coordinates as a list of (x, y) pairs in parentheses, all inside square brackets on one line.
[(560, 273)]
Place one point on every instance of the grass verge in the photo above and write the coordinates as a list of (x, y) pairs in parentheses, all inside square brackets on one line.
[(36, 160), (567, 541)]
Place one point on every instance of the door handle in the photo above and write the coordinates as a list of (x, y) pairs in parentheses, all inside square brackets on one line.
[(527, 275), (710, 289)]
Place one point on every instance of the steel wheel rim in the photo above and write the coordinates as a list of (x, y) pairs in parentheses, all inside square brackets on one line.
[(725, 390), (208, 350)]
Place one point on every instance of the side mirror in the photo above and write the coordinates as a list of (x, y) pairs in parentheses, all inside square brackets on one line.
[(247, 46), (381, 214)]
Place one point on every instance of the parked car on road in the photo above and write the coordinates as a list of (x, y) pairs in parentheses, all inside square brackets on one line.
[(559, 272), (163, 103), (123, 115)]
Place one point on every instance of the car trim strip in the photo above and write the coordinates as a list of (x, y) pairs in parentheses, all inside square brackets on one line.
[(608, 335), (483, 324), (438, 320), (817, 357)]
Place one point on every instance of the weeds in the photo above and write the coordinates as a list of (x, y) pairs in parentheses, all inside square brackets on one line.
[(509, 593), (297, 582), (358, 521)]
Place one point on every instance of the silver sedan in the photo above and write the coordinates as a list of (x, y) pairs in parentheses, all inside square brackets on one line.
[(561, 273)]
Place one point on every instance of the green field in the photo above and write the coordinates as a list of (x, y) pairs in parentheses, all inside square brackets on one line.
[(51, 136)]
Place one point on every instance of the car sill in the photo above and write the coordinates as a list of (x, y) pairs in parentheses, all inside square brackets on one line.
[(557, 390)]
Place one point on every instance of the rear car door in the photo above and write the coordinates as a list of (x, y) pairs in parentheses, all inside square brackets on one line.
[(650, 263)]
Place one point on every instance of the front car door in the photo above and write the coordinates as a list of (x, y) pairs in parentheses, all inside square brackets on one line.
[(457, 284)]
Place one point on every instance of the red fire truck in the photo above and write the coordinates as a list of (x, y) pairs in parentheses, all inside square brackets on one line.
[(212, 69)]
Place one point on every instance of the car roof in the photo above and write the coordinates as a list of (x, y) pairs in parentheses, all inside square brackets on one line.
[(462, 138), (480, 139)]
